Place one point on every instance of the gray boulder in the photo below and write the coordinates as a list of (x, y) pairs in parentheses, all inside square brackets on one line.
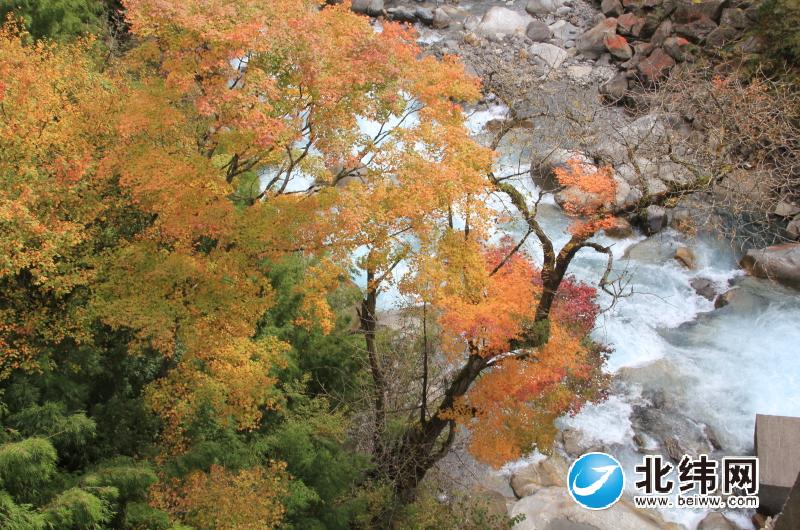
[(543, 7), (372, 8), (657, 218), (441, 19), (564, 30), (548, 54), (704, 287), (537, 31), (780, 263), (503, 21)]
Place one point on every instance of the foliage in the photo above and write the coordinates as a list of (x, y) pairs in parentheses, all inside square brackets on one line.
[(779, 23), (57, 19)]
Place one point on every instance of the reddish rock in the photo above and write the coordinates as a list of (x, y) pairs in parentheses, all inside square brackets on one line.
[(618, 46), (676, 47), (591, 42), (629, 24), (655, 66)]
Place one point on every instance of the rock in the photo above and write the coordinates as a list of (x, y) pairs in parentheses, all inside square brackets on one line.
[(537, 31), (704, 287), (591, 43), (580, 73), (441, 19), (726, 298), (629, 24), (563, 11), (402, 14), (545, 159), (425, 15), (503, 21), (685, 257), (549, 472), (622, 228), (552, 508), (543, 7), (618, 46), (572, 441), (615, 88), (655, 66), (793, 228), (735, 18), (690, 10), (657, 218), (786, 209), (661, 33), (471, 23), (372, 8), (552, 56), (676, 48), (716, 521), (696, 30), (611, 8), (780, 263), (721, 36), (472, 39), (564, 30)]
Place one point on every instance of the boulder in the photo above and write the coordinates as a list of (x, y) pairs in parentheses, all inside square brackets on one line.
[(618, 46), (786, 209), (696, 30), (716, 521), (549, 472), (690, 10), (564, 30), (537, 31), (572, 442), (685, 257), (735, 18), (657, 218), (704, 287), (373, 8), (676, 47), (543, 7), (503, 21), (611, 8), (726, 298), (630, 25), (722, 36), (425, 15), (780, 263), (441, 19), (552, 508), (471, 23), (548, 54), (620, 230), (591, 43), (615, 88), (655, 66), (402, 14)]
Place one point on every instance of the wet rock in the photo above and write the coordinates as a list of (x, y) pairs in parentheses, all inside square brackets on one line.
[(726, 298), (618, 46), (611, 8), (373, 8), (549, 472), (552, 509), (615, 88), (550, 55), (685, 257), (537, 31), (425, 15), (503, 21), (402, 14), (676, 48), (564, 30), (716, 521), (704, 287), (621, 229), (697, 30), (780, 263), (630, 25), (441, 19), (572, 442), (543, 7), (591, 43), (655, 66), (657, 218)]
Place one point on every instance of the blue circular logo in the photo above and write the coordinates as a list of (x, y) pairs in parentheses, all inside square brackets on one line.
[(596, 481)]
